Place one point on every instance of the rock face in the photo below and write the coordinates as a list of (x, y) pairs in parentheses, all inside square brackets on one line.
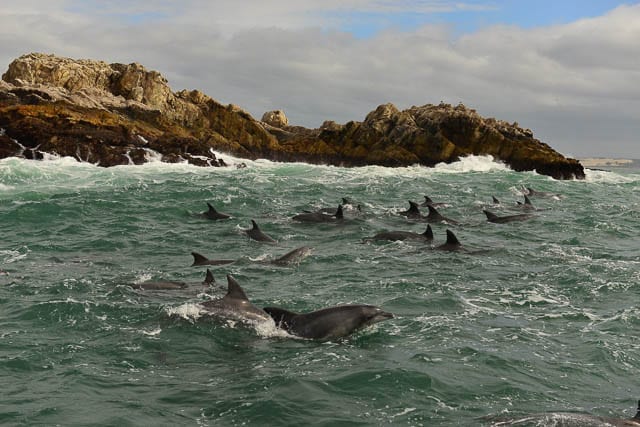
[(113, 114)]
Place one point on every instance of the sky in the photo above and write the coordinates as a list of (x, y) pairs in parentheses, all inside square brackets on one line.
[(569, 70)]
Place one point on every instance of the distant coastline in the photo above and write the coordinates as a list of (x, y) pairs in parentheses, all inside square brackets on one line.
[(596, 162)]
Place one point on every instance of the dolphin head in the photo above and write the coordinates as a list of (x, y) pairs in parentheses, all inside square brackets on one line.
[(372, 314)]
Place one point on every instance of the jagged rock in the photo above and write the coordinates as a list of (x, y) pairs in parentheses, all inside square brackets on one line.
[(113, 114), (275, 118)]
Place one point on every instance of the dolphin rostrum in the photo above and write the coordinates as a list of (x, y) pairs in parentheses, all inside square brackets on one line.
[(256, 234), (320, 216), (427, 236), (213, 214), (328, 323), (202, 260), (235, 305), (491, 217)]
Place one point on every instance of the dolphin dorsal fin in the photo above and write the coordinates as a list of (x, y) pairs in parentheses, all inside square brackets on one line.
[(209, 279), (490, 215), (527, 201), (339, 214), (496, 201), (234, 290), (211, 208), (255, 226), (428, 199), (197, 258), (433, 212), (637, 415), (428, 233), (452, 239)]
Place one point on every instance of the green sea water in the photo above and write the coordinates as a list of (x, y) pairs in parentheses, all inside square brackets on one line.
[(545, 317)]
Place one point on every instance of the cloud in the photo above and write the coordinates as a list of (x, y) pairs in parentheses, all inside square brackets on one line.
[(574, 85)]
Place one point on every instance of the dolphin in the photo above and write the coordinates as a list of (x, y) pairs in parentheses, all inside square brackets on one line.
[(202, 260), (569, 419), (491, 217), (452, 243), (235, 305), (319, 216), (429, 202), (346, 205), (427, 236), (527, 203), (531, 192), (170, 285), (213, 214), (328, 323), (413, 212), (293, 257), (434, 216), (159, 285), (256, 234)]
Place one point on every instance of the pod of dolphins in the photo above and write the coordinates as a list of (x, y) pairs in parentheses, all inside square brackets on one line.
[(332, 322), (337, 322)]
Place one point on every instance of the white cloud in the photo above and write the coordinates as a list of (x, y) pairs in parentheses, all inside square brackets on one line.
[(575, 85)]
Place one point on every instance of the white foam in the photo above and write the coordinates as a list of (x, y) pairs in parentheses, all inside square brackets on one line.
[(606, 177), (188, 311)]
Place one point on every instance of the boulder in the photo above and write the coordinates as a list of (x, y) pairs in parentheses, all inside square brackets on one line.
[(276, 119)]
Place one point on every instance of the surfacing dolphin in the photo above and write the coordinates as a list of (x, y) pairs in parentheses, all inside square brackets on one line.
[(329, 323), (427, 236), (434, 216), (565, 419), (413, 212), (202, 260), (293, 257), (169, 285), (320, 216), (429, 202), (452, 243), (491, 217), (527, 204), (256, 234), (534, 193), (213, 214), (346, 205), (235, 305)]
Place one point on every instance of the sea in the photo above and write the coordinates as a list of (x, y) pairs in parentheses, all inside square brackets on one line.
[(536, 316)]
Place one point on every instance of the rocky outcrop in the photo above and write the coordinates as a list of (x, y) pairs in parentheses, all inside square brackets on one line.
[(113, 114)]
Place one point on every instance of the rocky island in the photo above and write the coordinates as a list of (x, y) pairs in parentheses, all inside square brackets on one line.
[(114, 114)]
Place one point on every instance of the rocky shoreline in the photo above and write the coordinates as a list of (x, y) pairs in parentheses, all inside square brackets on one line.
[(114, 114)]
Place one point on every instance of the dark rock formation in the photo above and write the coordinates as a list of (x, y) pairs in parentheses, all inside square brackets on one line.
[(112, 114)]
